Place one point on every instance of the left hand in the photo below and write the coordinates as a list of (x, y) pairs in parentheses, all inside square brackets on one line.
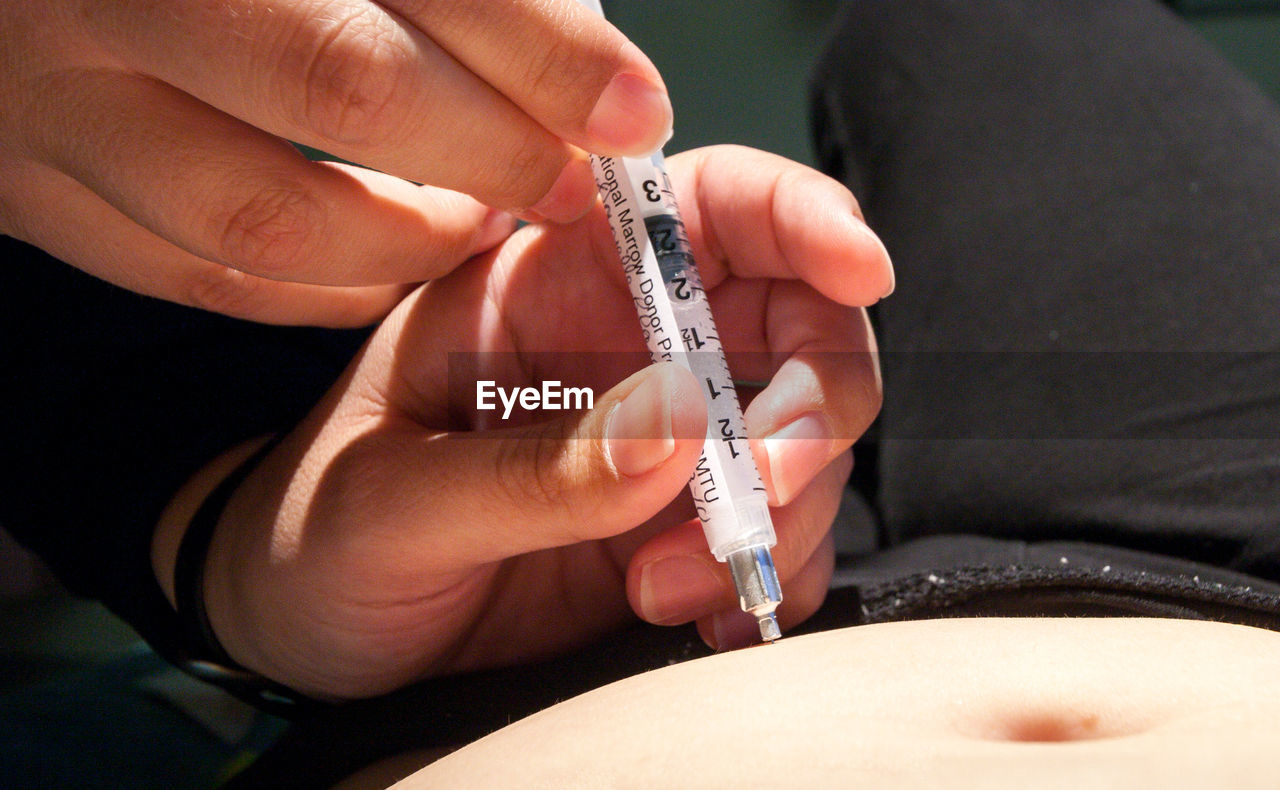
[(143, 141), (374, 547)]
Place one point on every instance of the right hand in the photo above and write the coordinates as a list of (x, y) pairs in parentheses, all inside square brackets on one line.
[(142, 140), (401, 532)]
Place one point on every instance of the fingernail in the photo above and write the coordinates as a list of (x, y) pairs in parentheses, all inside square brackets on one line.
[(797, 451), (632, 116), (571, 196), (676, 589), (638, 434), (734, 628), (497, 226), (893, 279)]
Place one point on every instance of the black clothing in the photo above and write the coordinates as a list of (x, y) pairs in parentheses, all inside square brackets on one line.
[(1082, 413), (1082, 201), (113, 401)]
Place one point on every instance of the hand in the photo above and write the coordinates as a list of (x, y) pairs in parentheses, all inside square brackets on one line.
[(143, 141), (373, 547)]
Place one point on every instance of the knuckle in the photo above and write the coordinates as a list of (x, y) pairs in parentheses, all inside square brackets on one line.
[(268, 233), (528, 466), (558, 71), (527, 171), (538, 471), (352, 73)]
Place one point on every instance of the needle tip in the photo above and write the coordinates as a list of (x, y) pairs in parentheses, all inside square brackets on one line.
[(769, 630)]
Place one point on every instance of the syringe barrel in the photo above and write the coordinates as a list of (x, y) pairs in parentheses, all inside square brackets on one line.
[(676, 320), (677, 325)]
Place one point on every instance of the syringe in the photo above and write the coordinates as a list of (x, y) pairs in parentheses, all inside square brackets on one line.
[(678, 327)]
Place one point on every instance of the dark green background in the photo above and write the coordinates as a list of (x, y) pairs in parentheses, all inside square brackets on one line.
[(737, 70)]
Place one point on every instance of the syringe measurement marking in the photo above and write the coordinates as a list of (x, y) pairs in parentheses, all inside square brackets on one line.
[(738, 529), (615, 205), (669, 246), (691, 340)]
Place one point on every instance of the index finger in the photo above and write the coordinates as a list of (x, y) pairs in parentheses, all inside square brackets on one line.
[(560, 62), (753, 214), (392, 86)]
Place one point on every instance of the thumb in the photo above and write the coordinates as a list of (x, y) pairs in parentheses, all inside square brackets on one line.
[(572, 480)]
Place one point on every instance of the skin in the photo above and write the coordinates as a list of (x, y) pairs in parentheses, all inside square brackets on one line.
[(973, 703), (381, 543), (144, 140)]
